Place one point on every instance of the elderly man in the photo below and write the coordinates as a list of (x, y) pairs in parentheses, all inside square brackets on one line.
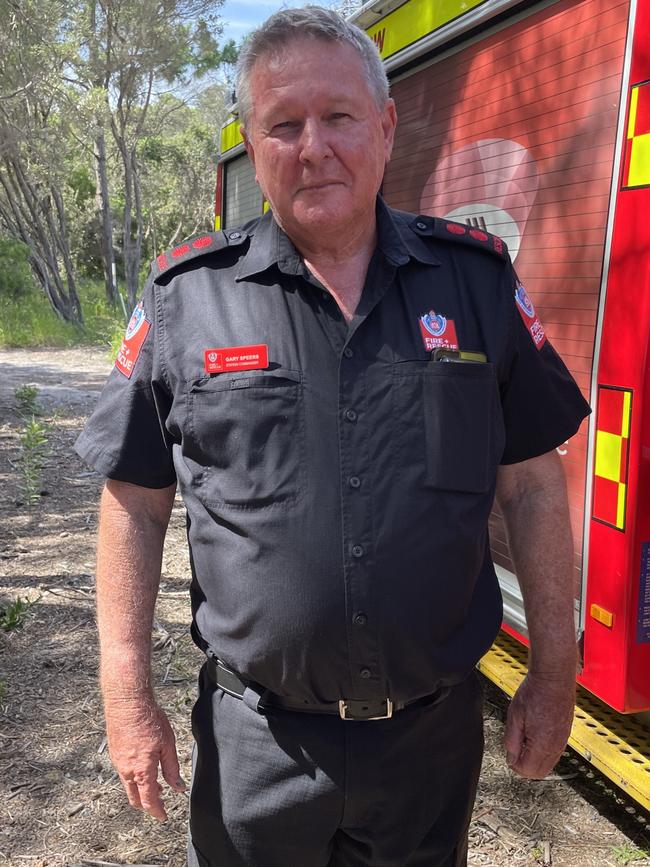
[(338, 389)]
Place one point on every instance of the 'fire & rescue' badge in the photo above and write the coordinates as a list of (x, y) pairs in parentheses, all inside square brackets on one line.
[(136, 333), (437, 331), (530, 318)]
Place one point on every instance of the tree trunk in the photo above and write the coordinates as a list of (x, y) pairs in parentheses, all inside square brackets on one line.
[(31, 219), (128, 246), (104, 213), (61, 239)]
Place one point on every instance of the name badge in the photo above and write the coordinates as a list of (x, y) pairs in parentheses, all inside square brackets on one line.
[(236, 358)]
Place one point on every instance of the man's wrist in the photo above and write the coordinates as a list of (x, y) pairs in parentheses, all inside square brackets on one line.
[(125, 676), (554, 669)]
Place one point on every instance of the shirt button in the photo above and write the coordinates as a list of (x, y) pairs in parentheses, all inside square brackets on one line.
[(420, 225), (357, 551), (360, 619), (234, 236), (354, 482), (348, 352), (350, 415), (365, 673)]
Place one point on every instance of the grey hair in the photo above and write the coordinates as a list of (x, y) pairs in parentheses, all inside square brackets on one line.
[(289, 25)]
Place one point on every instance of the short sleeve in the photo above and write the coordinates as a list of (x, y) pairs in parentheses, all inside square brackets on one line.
[(541, 402), (126, 438)]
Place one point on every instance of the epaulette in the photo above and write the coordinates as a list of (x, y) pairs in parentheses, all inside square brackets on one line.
[(447, 230), (211, 242)]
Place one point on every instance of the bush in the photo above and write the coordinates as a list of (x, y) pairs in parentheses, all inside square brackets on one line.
[(15, 274), (28, 320)]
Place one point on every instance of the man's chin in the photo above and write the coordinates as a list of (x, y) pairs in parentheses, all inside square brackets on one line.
[(321, 217)]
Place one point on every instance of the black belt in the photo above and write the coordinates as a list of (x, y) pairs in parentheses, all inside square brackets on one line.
[(347, 709)]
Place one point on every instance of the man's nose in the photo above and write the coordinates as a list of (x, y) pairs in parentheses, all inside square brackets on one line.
[(314, 143)]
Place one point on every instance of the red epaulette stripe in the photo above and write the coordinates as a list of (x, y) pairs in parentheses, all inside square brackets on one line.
[(177, 252)]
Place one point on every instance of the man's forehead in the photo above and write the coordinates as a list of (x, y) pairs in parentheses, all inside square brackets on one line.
[(315, 47), (296, 70)]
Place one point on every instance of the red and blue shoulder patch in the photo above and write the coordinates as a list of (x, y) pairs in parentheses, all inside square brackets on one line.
[(210, 242), (447, 230)]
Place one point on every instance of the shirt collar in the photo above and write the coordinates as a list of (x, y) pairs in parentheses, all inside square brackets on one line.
[(402, 236), (399, 238)]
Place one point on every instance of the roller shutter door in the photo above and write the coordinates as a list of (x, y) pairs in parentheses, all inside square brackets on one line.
[(516, 133), (242, 196)]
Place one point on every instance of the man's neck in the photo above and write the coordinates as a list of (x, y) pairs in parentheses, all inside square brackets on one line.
[(341, 267)]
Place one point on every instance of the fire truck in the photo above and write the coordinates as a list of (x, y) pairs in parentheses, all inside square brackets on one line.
[(532, 121)]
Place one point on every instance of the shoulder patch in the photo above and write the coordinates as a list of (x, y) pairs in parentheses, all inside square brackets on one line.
[(210, 242), (447, 230)]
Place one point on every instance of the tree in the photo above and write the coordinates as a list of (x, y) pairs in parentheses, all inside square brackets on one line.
[(178, 166), (124, 53), (83, 88), (31, 159)]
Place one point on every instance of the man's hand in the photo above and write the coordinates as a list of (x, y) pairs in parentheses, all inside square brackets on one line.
[(539, 723), (140, 739)]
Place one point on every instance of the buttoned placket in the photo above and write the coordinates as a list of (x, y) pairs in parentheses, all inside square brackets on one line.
[(367, 671)]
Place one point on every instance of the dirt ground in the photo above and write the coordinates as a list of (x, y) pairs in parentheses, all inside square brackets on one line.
[(60, 801)]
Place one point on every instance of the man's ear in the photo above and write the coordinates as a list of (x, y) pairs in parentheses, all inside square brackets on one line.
[(250, 150), (388, 123)]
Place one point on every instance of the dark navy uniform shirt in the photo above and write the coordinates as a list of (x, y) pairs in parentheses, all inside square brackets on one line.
[(337, 499)]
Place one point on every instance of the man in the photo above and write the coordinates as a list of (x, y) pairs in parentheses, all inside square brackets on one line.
[(338, 389)]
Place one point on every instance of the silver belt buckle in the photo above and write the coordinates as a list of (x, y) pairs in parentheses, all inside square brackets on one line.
[(344, 712)]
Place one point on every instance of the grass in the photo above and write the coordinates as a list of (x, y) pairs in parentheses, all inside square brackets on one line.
[(628, 854), (14, 615), (28, 320), (32, 443), (26, 399), (33, 451)]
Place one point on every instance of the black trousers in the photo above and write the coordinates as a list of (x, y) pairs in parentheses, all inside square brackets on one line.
[(288, 789)]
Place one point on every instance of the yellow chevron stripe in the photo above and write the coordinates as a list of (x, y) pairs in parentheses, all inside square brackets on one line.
[(608, 455), (620, 508), (627, 403), (639, 169), (634, 101)]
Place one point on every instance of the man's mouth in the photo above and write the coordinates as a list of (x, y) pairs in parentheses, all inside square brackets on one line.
[(321, 185)]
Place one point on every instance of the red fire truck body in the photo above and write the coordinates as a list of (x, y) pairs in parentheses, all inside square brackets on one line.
[(532, 121)]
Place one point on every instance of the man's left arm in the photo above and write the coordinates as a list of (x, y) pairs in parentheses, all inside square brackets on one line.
[(533, 500)]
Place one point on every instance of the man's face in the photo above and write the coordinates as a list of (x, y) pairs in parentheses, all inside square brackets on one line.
[(318, 141)]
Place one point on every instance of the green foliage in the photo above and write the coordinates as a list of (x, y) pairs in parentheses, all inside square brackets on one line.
[(628, 854), (15, 274), (75, 75), (32, 442), (82, 186), (26, 398), (12, 617), (30, 320)]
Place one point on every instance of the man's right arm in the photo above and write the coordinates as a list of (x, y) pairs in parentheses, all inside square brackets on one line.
[(132, 527)]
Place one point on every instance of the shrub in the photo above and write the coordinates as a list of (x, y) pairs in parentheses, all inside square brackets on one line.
[(15, 274)]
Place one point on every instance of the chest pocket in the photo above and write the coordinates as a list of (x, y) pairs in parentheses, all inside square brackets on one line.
[(451, 412), (246, 434)]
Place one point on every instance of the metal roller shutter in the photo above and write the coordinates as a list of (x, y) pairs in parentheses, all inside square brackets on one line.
[(242, 197), (515, 133)]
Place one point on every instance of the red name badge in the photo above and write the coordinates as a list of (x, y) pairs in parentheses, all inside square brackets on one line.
[(237, 358)]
